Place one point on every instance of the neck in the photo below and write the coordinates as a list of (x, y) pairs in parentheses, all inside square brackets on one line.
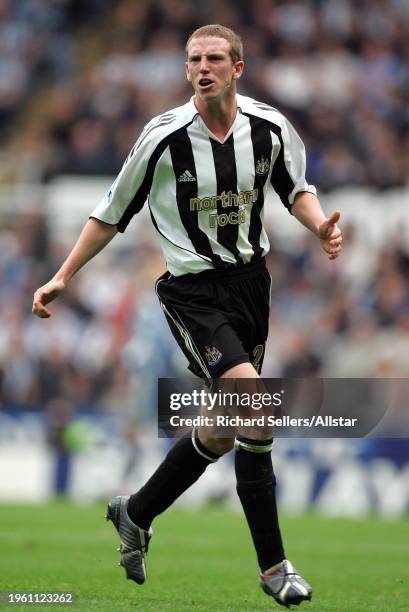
[(218, 114)]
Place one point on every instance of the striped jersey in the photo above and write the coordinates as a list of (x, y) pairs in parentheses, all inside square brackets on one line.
[(205, 196)]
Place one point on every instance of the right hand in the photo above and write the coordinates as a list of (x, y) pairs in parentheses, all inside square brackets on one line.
[(45, 294)]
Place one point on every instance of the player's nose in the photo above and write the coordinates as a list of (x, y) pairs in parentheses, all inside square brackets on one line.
[(203, 64)]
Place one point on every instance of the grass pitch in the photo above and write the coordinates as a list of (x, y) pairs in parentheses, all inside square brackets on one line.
[(200, 561)]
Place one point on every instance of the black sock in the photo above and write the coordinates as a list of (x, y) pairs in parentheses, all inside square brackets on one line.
[(182, 466), (256, 490)]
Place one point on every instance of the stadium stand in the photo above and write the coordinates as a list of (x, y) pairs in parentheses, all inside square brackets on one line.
[(77, 83)]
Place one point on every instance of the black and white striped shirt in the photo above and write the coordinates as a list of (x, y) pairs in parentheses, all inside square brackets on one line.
[(205, 196)]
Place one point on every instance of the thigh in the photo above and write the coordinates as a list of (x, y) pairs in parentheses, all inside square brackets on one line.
[(250, 308), (201, 326)]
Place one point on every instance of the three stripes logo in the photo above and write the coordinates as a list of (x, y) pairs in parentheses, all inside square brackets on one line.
[(164, 119), (263, 106), (186, 177)]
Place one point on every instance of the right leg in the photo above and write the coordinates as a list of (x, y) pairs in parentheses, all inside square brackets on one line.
[(196, 324), (132, 516), (182, 466)]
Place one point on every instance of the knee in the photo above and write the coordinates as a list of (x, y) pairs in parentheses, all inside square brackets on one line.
[(220, 446)]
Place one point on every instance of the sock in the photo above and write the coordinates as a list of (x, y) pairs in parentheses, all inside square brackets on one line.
[(182, 466), (256, 490)]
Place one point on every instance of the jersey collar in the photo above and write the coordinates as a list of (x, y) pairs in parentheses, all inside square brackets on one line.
[(204, 127)]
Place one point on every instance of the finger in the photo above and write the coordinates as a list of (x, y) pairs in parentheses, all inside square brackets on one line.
[(337, 240), (330, 228), (335, 234), (39, 301), (334, 218), (40, 311), (44, 314), (333, 256), (45, 295), (334, 248)]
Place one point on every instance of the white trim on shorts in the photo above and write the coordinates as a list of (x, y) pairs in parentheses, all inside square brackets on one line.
[(185, 335)]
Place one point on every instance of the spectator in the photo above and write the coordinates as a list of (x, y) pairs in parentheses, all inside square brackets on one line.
[(338, 68)]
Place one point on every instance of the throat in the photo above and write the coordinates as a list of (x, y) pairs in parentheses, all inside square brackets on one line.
[(218, 122), (219, 132), (218, 114)]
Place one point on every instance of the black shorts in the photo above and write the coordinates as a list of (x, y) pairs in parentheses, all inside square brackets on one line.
[(219, 318)]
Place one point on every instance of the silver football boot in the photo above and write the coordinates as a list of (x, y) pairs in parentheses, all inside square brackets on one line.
[(134, 540), (286, 585)]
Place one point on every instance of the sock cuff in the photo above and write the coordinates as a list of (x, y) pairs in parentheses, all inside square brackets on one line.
[(253, 446), (202, 450)]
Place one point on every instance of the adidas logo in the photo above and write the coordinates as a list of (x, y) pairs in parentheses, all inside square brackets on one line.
[(186, 177)]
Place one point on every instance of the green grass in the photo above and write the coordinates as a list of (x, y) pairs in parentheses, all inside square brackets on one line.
[(200, 561)]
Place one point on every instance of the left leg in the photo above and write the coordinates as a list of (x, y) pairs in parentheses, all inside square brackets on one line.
[(256, 481), (256, 485)]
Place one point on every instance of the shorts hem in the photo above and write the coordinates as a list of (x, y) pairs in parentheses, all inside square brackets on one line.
[(231, 364)]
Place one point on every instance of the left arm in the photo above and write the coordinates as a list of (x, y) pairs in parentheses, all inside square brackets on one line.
[(288, 180), (307, 209)]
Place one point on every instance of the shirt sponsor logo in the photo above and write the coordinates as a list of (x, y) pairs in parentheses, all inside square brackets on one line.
[(226, 199), (237, 201), (233, 218)]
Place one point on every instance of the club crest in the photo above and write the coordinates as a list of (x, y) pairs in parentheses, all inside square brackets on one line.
[(213, 355), (262, 166)]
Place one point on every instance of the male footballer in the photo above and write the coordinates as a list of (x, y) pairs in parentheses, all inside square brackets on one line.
[(204, 169)]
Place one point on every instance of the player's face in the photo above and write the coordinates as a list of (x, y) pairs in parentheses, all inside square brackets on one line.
[(210, 68)]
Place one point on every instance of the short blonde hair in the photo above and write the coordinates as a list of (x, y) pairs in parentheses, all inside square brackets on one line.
[(219, 31)]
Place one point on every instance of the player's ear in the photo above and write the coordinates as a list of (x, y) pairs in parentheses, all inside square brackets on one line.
[(187, 72), (238, 68)]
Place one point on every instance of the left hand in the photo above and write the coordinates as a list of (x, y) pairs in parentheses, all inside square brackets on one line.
[(331, 236)]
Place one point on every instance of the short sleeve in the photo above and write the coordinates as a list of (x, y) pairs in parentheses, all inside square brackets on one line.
[(129, 191), (288, 174)]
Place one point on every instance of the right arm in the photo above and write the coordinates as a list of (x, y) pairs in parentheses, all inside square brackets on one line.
[(93, 238), (125, 198)]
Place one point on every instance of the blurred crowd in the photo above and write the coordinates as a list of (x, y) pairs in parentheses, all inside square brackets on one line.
[(78, 80), (107, 341), (106, 335)]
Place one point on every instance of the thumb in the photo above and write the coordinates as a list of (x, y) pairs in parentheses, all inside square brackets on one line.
[(334, 218), (326, 227)]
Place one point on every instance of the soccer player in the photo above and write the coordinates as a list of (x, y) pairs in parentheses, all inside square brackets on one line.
[(205, 168)]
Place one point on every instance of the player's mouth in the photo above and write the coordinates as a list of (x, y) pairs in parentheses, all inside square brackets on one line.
[(205, 83)]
